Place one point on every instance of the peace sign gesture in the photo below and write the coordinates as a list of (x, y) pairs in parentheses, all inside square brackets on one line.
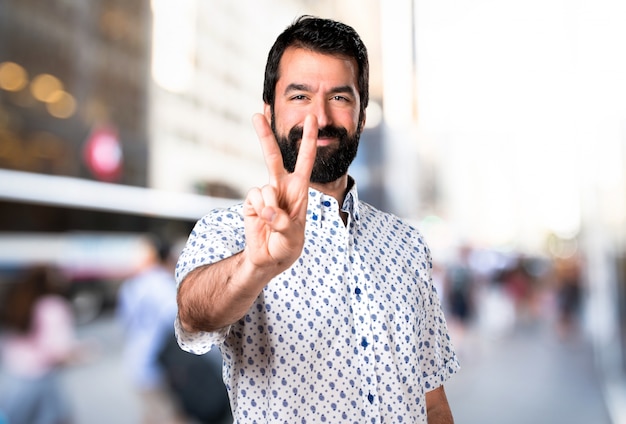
[(275, 214)]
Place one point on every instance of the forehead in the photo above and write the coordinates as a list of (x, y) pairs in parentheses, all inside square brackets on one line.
[(300, 65)]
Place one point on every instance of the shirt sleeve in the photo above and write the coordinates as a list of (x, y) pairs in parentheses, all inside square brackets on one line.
[(439, 360), (199, 342), (217, 236)]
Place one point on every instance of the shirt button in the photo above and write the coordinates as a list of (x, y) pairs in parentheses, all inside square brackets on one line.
[(364, 342), (357, 291), (370, 397)]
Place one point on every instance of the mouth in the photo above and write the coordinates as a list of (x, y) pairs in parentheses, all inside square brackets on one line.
[(326, 141)]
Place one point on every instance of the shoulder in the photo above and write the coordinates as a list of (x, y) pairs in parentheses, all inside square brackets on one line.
[(394, 228), (216, 236), (370, 213), (218, 221), (231, 216)]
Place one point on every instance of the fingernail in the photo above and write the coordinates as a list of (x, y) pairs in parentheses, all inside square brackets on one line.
[(269, 214)]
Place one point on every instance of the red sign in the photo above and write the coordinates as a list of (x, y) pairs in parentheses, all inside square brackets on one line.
[(103, 154)]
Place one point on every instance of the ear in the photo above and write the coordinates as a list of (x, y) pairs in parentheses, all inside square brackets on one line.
[(363, 119), (267, 111)]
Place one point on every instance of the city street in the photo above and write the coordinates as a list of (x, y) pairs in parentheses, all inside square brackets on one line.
[(497, 129), (526, 377)]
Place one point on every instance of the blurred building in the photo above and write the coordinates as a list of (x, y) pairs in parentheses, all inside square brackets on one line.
[(74, 88), (207, 70), (522, 113), (73, 103), (119, 118), (152, 94)]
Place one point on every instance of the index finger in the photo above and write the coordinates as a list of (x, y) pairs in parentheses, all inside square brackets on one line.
[(271, 151), (308, 148)]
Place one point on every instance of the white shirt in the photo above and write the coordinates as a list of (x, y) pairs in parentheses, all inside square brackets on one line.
[(353, 332)]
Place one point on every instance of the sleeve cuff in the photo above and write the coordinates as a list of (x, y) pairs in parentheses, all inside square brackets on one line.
[(199, 342)]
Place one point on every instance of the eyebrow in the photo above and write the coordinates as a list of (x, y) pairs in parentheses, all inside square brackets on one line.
[(335, 90)]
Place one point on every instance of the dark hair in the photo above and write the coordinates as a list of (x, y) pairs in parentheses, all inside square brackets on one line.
[(161, 247), (19, 302), (322, 36)]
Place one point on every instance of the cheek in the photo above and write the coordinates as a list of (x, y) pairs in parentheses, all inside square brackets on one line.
[(286, 119), (348, 120)]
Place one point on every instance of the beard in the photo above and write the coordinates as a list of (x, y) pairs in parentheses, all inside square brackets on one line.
[(331, 162)]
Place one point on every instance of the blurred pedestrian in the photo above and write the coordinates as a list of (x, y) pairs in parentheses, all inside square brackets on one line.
[(146, 309), (460, 282), (569, 295), (519, 286), (39, 339)]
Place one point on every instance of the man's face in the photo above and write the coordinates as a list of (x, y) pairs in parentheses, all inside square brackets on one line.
[(325, 86)]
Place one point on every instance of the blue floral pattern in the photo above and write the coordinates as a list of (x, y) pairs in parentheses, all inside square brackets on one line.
[(353, 332)]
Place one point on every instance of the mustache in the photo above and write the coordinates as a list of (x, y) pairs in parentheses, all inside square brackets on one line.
[(295, 134)]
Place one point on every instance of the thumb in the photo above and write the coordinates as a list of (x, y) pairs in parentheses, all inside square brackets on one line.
[(268, 214), (277, 219)]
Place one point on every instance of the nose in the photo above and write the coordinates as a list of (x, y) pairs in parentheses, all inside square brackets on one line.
[(322, 113)]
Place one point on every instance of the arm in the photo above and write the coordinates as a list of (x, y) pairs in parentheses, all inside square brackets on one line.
[(214, 296), (437, 407)]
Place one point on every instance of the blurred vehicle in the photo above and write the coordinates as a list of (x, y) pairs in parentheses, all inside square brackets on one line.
[(93, 263), (89, 230)]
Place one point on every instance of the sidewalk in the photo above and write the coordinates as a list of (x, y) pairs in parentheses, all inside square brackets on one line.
[(527, 376), (100, 390), (524, 377)]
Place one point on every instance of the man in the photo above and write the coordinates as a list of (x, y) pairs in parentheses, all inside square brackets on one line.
[(323, 307), (145, 310)]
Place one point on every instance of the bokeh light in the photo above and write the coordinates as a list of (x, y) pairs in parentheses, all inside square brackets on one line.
[(45, 87), (13, 77)]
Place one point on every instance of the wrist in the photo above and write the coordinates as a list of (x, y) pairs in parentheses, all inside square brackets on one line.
[(258, 274)]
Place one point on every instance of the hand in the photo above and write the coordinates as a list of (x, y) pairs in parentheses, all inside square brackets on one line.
[(275, 214)]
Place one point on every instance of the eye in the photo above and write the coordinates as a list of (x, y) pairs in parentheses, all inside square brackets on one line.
[(298, 97), (340, 98)]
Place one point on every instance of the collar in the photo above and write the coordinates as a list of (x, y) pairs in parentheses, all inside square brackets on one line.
[(323, 208)]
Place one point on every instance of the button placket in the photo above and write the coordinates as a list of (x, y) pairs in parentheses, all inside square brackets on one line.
[(363, 329)]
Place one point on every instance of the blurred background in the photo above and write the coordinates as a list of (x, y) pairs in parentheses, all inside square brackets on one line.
[(497, 127)]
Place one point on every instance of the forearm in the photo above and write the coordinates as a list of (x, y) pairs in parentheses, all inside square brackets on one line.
[(440, 416), (214, 296), (437, 407)]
